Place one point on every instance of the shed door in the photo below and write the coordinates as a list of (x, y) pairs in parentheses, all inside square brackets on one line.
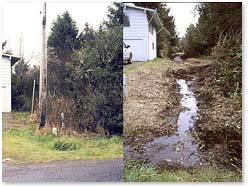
[(137, 49), (4, 99)]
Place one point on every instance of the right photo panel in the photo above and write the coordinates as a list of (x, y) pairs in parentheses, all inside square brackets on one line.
[(182, 92)]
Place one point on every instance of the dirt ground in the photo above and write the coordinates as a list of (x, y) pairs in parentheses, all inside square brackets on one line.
[(152, 107), (146, 106)]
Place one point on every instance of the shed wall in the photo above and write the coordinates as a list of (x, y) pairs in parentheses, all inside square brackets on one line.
[(6, 85)]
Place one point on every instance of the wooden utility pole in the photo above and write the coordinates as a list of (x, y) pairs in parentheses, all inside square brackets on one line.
[(43, 73)]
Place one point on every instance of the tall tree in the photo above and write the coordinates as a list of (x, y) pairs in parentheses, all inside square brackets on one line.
[(90, 78), (63, 37), (216, 20), (22, 82), (62, 42), (115, 15)]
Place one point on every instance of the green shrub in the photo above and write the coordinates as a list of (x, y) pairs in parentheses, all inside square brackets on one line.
[(228, 54), (63, 145)]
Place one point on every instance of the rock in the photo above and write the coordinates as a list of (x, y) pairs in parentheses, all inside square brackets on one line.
[(7, 159)]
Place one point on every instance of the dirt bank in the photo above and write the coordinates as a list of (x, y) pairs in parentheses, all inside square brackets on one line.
[(149, 110), (219, 130), (152, 107)]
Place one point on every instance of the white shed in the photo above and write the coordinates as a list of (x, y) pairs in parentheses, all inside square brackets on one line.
[(7, 62), (139, 31)]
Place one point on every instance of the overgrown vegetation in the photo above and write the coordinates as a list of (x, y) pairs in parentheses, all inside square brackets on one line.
[(218, 33), (85, 74), (26, 144), (138, 172), (22, 80)]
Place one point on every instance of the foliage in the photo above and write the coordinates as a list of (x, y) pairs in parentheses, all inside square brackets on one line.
[(218, 33), (67, 145), (90, 74), (4, 44), (22, 86), (228, 55), (115, 14), (215, 21), (63, 37), (140, 172), (26, 145)]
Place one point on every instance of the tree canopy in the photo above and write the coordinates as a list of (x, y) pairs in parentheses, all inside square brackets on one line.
[(85, 72)]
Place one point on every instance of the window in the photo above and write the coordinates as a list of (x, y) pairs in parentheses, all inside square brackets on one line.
[(153, 45), (126, 21)]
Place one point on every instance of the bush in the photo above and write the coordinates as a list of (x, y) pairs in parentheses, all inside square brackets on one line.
[(63, 145), (87, 85), (228, 54), (22, 86)]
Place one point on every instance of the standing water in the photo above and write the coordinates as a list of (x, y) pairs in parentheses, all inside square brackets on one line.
[(180, 149)]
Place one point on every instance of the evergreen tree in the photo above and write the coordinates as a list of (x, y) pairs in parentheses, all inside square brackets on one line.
[(22, 85), (63, 37)]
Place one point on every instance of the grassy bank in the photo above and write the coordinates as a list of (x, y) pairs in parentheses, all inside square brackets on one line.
[(165, 64), (24, 145), (157, 63), (151, 110), (134, 172)]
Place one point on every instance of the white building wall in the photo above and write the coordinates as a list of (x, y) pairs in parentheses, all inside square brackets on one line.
[(152, 44), (137, 34), (6, 85)]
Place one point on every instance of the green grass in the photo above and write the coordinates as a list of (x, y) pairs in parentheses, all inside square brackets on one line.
[(20, 115), (158, 62), (24, 146), (134, 172)]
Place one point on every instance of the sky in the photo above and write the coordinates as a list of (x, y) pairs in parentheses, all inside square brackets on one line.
[(184, 16), (23, 20)]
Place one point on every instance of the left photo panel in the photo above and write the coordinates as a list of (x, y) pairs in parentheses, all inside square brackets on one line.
[(62, 92)]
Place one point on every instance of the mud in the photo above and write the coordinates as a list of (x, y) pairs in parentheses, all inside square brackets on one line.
[(181, 148), (149, 111), (208, 131), (219, 129)]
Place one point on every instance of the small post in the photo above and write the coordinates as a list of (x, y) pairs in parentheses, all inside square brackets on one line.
[(54, 131), (62, 117), (125, 90), (32, 108)]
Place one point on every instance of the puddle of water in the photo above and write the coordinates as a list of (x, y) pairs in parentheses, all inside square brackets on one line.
[(180, 149)]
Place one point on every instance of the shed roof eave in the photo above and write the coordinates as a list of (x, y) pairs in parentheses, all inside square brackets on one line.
[(13, 58), (155, 18)]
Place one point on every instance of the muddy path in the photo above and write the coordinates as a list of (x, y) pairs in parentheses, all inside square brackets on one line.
[(194, 132)]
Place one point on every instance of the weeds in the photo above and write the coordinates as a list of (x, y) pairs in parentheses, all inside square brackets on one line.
[(67, 145), (140, 172), (26, 145)]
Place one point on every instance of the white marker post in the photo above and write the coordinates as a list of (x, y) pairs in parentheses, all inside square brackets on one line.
[(62, 120), (125, 90)]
